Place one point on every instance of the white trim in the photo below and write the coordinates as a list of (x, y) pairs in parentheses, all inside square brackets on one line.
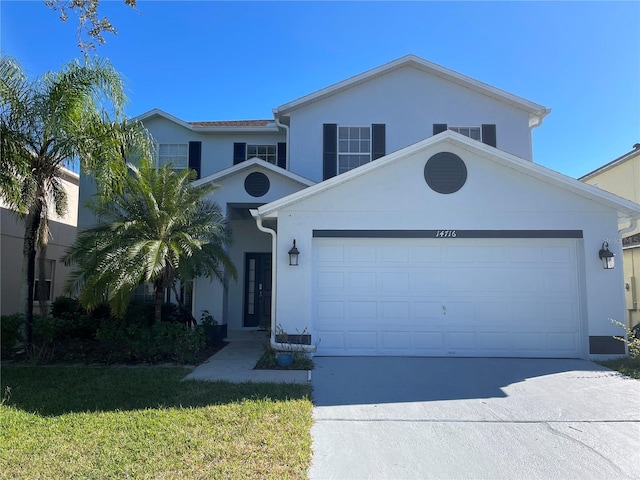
[(626, 209), (536, 112), (251, 163)]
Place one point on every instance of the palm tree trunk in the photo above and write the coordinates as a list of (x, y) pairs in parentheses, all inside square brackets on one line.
[(43, 290), (159, 294), (32, 223)]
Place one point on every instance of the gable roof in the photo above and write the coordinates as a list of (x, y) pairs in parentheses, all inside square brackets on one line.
[(221, 126), (612, 163), (536, 112), (242, 166), (626, 209)]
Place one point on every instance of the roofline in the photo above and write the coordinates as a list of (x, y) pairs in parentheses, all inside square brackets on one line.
[(626, 209), (536, 112), (270, 128), (227, 172), (612, 163), (70, 175)]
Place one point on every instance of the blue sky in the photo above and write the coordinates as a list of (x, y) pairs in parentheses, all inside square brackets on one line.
[(231, 60)]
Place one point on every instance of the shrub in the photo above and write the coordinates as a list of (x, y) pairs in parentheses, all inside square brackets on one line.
[(64, 306), (10, 330), (164, 341), (632, 339)]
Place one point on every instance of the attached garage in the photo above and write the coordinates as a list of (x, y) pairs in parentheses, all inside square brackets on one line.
[(450, 247), (447, 296)]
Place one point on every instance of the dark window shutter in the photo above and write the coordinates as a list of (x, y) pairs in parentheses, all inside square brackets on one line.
[(329, 150), (439, 128), (378, 140), (195, 157), (282, 155), (489, 135), (239, 152)]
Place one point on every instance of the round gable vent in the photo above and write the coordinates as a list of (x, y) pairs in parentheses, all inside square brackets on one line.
[(445, 172), (256, 184)]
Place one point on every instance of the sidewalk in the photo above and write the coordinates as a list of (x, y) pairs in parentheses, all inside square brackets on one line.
[(235, 362)]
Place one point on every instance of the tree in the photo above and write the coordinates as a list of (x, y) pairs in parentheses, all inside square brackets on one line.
[(158, 230), (76, 113), (90, 25)]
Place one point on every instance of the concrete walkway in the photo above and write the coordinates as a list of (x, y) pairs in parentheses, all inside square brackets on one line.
[(235, 362)]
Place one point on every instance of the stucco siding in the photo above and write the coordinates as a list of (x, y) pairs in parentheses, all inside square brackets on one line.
[(623, 179), (217, 148), (396, 197), (409, 102)]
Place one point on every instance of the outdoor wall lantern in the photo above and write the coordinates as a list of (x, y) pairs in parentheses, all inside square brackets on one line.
[(293, 255), (607, 257)]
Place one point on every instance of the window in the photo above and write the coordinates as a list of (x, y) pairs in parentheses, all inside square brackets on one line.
[(471, 132), (144, 293), (354, 147), (265, 152), (176, 154), (48, 275)]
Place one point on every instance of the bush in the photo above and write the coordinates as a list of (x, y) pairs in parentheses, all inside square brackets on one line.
[(64, 306), (164, 341), (632, 339), (10, 330)]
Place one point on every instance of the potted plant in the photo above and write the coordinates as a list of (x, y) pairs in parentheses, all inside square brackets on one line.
[(212, 330), (289, 345)]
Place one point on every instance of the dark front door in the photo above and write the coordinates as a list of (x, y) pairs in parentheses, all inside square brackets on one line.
[(257, 289)]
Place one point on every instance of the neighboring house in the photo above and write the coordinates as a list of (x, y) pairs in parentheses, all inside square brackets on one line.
[(423, 226), (622, 177), (63, 234)]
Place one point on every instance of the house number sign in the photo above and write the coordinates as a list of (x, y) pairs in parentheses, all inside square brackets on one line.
[(446, 234)]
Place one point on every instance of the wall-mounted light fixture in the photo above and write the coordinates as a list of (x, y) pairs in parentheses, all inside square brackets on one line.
[(607, 257), (293, 255)]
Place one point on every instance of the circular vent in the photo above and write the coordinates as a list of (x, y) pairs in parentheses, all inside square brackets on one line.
[(445, 172), (256, 184)]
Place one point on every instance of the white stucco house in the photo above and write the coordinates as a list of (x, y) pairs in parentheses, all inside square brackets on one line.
[(422, 223)]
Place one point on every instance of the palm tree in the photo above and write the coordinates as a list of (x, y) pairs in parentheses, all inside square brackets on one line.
[(47, 123), (158, 230)]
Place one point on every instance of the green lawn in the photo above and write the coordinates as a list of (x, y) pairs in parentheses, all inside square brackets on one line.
[(627, 365), (143, 422)]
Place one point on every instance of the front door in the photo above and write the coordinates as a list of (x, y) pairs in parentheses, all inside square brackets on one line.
[(257, 290)]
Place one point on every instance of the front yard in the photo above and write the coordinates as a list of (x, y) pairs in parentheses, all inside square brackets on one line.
[(144, 422)]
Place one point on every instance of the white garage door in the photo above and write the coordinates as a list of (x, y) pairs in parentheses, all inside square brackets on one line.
[(447, 297)]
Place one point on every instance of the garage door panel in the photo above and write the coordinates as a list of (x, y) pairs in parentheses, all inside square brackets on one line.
[(394, 280), (366, 281), (400, 341), (428, 341), (363, 340), (328, 312), (361, 253), (458, 254), (425, 254), (468, 297), (393, 253), (392, 312)]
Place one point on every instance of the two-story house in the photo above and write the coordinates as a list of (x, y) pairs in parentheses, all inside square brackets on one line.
[(421, 223), (622, 177), (62, 235)]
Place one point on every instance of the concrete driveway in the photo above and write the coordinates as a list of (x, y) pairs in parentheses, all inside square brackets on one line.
[(473, 418)]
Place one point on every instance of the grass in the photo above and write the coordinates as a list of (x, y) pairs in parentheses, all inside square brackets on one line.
[(628, 366), (144, 422)]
